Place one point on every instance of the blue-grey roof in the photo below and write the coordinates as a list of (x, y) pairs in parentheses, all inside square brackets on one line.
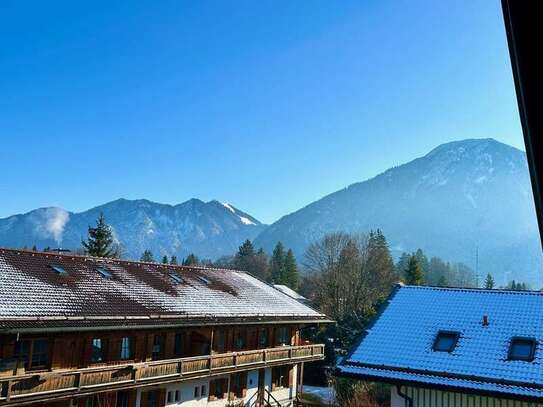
[(398, 346)]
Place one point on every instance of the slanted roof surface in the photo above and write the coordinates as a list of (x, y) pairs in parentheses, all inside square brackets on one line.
[(398, 346), (290, 292), (33, 296)]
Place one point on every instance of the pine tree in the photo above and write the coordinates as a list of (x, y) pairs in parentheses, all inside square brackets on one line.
[(34, 248), (379, 265), (165, 259), (191, 260), (413, 273), (244, 257), (173, 260), (100, 240), (489, 282), (277, 264), (147, 256), (291, 271), (401, 265), (442, 282), (423, 261)]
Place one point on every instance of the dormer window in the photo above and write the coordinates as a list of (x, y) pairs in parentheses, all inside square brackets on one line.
[(522, 349), (446, 341)]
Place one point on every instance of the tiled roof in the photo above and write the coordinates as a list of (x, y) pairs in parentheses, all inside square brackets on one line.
[(34, 296), (398, 345)]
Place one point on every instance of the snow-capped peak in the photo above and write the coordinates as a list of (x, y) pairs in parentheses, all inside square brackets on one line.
[(227, 206), (243, 219)]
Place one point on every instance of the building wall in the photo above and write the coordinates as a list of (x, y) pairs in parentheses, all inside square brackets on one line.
[(436, 398), (187, 391)]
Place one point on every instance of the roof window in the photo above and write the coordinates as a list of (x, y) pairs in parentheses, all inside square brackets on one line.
[(104, 272), (522, 349), (176, 279), (204, 280), (57, 269), (446, 341)]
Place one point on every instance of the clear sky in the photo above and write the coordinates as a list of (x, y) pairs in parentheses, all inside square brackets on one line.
[(268, 105)]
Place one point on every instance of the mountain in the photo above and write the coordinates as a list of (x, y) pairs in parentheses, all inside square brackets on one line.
[(461, 198), (208, 229)]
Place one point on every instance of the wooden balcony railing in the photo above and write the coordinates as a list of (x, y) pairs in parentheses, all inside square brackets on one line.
[(64, 384)]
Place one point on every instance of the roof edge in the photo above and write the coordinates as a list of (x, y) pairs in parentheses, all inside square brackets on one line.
[(435, 386), (380, 310)]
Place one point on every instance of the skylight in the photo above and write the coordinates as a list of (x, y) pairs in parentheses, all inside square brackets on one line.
[(522, 349), (445, 341), (104, 272), (176, 279), (204, 280), (57, 269)]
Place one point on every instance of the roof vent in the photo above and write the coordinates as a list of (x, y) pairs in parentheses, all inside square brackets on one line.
[(485, 320)]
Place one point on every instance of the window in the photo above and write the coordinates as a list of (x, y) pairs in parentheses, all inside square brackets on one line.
[(522, 349), (241, 339), (204, 280), (203, 390), (58, 269), (32, 354), (122, 399), (157, 347), (196, 392), (238, 384), (152, 399), (169, 397), (263, 338), (97, 354), (175, 278), (218, 389), (90, 401), (282, 336), (177, 395), (126, 348), (178, 344), (220, 341), (104, 272), (22, 351), (280, 377), (445, 341)]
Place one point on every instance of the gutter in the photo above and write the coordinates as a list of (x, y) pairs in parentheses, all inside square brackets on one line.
[(17, 330), (404, 396)]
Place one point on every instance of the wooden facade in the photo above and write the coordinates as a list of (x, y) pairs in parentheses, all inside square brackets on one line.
[(51, 367)]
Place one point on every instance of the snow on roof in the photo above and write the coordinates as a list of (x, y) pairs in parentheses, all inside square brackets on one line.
[(398, 345), (290, 292), (31, 291)]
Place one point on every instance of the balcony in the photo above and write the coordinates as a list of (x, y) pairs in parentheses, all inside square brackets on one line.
[(45, 386)]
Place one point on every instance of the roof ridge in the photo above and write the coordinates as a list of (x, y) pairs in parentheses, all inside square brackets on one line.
[(109, 259), (474, 289)]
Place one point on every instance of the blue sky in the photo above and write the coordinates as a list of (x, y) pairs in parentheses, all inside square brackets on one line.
[(268, 105)]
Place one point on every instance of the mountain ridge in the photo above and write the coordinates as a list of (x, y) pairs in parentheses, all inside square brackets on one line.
[(210, 229), (446, 202)]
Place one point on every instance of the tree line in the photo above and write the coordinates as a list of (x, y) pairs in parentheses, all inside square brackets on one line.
[(279, 268)]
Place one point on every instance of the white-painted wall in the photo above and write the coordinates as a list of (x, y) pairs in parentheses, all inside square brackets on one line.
[(187, 399), (436, 398)]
